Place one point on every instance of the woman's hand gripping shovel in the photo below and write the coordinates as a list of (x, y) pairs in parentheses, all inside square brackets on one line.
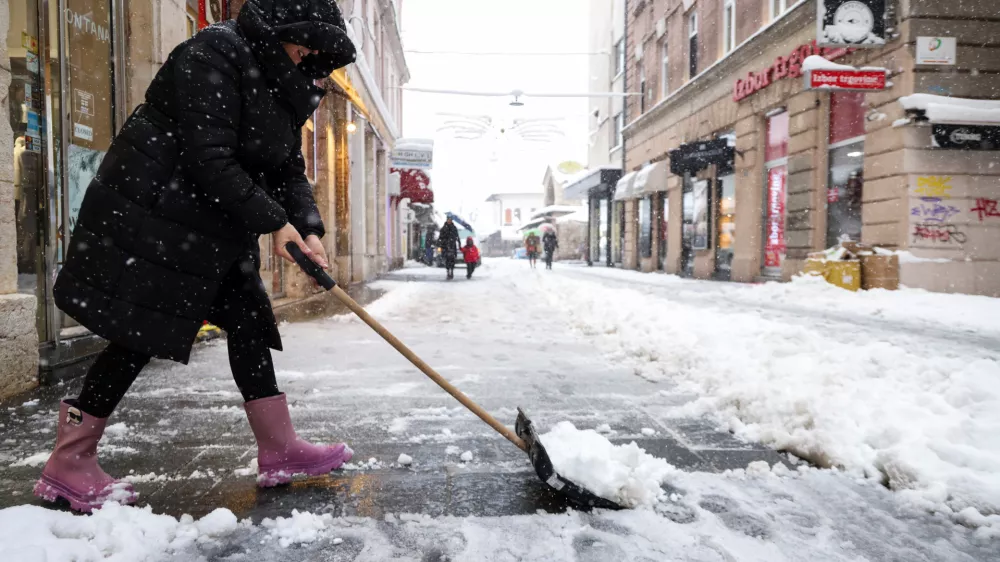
[(524, 436)]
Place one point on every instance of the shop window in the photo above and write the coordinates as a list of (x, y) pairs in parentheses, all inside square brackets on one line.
[(508, 217), (25, 104), (619, 56), (777, 137), (729, 26), (693, 45), (687, 227), (726, 231), (663, 208), (617, 231), (846, 160), (646, 226), (664, 69), (776, 165), (847, 116), (603, 230)]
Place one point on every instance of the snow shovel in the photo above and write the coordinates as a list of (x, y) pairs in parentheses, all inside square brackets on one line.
[(524, 434)]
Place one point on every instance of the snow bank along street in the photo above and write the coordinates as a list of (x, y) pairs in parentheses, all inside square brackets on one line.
[(893, 399)]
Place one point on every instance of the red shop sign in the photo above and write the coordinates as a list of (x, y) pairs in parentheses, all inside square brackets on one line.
[(845, 80), (774, 244), (783, 67)]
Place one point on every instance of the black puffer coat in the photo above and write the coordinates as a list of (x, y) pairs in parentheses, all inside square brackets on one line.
[(211, 161)]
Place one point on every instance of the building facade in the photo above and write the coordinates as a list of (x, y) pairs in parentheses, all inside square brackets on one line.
[(605, 156), (740, 171), (71, 73)]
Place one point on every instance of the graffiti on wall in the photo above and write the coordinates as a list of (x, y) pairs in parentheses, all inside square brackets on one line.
[(935, 218), (986, 208)]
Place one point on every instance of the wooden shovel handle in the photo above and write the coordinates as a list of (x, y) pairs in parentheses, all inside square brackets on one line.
[(426, 369), (327, 282)]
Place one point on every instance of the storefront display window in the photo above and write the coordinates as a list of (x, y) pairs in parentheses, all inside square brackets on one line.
[(617, 232), (27, 123), (776, 165), (603, 231), (687, 227), (846, 160), (701, 216), (726, 226), (661, 215), (89, 90), (645, 226)]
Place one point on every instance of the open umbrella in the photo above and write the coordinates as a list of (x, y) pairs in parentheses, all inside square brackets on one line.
[(546, 227), (531, 231)]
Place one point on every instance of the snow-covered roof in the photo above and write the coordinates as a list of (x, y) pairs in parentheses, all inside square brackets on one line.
[(942, 109)]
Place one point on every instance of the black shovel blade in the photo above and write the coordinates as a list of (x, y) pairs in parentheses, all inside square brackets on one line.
[(578, 495)]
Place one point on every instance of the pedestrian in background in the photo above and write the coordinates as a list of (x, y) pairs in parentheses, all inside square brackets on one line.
[(550, 243), (471, 255), (450, 244), (168, 232), (531, 244)]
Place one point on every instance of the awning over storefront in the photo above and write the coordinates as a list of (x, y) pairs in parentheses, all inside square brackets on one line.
[(598, 183), (623, 189), (695, 156), (650, 179)]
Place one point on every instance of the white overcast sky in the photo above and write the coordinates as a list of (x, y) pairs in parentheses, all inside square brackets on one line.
[(466, 172)]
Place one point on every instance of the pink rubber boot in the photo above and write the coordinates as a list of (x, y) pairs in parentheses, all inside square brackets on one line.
[(72, 472), (280, 452)]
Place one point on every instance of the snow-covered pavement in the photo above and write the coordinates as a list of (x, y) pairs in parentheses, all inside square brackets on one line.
[(898, 389)]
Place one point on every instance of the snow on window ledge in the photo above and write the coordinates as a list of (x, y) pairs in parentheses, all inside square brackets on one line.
[(943, 109)]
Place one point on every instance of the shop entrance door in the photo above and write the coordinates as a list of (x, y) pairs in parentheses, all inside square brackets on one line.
[(87, 112), (687, 228), (726, 233)]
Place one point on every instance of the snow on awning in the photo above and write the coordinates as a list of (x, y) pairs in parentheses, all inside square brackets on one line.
[(555, 211), (650, 179), (623, 189), (580, 216), (958, 111)]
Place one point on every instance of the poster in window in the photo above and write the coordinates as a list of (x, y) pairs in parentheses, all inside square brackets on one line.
[(774, 242), (702, 218), (90, 65), (851, 23)]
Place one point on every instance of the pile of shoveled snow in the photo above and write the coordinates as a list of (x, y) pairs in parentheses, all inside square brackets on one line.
[(624, 474), (923, 418), (113, 532)]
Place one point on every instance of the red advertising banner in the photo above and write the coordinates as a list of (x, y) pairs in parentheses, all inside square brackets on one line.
[(774, 244), (845, 79)]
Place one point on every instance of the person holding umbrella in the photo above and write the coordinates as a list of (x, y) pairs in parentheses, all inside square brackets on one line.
[(450, 245), (550, 242), (167, 233)]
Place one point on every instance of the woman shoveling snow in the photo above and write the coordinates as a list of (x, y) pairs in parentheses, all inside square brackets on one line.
[(167, 233)]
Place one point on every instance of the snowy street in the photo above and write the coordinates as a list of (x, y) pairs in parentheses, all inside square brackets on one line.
[(892, 399)]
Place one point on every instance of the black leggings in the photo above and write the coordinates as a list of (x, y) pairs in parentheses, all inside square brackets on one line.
[(116, 368)]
